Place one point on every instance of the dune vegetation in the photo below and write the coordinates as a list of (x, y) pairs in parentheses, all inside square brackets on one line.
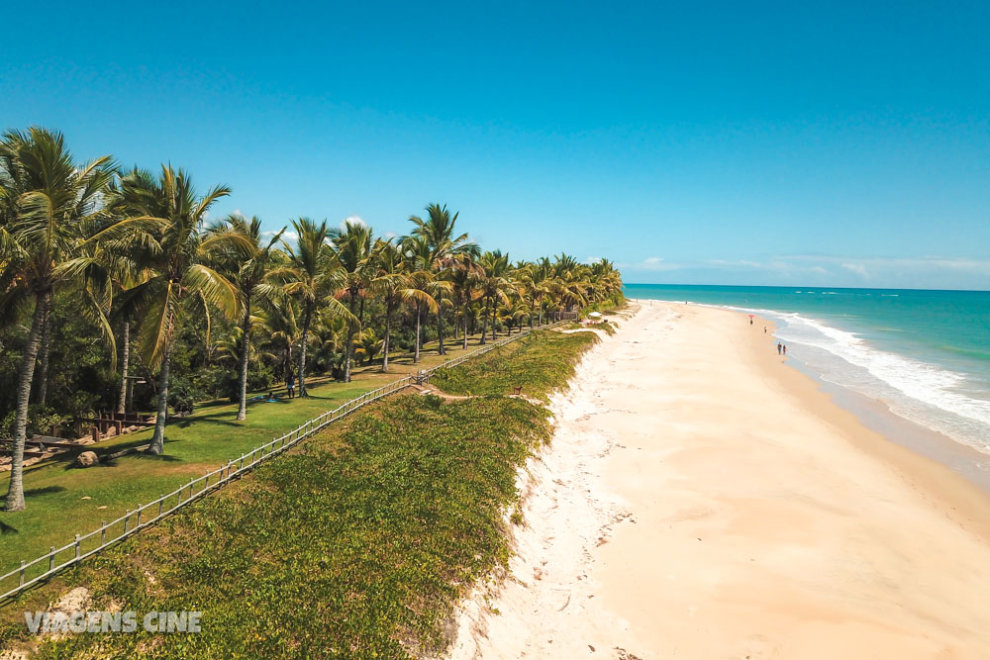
[(357, 544)]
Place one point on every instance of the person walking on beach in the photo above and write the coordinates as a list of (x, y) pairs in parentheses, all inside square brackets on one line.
[(290, 385), (785, 350), (778, 347)]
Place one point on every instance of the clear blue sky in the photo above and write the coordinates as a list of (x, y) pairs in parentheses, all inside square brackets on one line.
[(840, 143)]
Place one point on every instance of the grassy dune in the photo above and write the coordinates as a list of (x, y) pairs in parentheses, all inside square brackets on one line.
[(63, 501), (356, 545)]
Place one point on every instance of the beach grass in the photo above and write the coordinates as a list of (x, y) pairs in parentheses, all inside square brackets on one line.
[(63, 501), (356, 544), (536, 363)]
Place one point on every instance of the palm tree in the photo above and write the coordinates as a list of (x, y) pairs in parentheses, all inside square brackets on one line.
[(311, 275), (495, 286), (353, 245), (179, 273), (464, 276), (396, 285), (278, 319), (437, 233), (48, 203), (248, 273)]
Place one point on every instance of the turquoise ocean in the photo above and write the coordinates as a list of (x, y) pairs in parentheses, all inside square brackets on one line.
[(923, 353)]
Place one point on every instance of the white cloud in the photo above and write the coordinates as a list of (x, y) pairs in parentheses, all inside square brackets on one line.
[(656, 264), (287, 236), (352, 220), (859, 269)]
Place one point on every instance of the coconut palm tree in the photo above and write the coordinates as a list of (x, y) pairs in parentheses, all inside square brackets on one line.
[(396, 285), (179, 266), (495, 286), (437, 232), (465, 277), (248, 272), (353, 245), (312, 275), (277, 317), (48, 203)]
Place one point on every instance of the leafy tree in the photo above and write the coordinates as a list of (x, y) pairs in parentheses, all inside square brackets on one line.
[(312, 275), (353, 245), (49, 202), (167, 226), (248, 272), (437, 233)]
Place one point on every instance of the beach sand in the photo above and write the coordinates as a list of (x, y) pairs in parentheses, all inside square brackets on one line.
[(703, 499)]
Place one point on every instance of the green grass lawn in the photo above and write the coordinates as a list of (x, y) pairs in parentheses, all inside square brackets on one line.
[(63, 501), (356, 544)]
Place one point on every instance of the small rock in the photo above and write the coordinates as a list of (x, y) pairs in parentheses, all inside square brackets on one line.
[(85, 497), (86, 459)]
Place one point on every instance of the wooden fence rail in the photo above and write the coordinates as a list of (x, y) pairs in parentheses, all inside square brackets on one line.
[(82, 546)]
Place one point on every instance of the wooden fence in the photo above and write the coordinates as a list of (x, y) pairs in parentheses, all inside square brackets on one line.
[(86, 545)]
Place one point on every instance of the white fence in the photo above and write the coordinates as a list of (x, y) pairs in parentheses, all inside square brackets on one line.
[(83, 546)]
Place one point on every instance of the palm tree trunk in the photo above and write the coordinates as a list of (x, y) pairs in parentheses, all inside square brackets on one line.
[(440, 350), (388, 328), (484, 321), (245, 348), (15, 492), (419, 320), (302, 352), (464, 320), (157, 446), (125, 357), (349, 347), (494, 312), (41, 394)]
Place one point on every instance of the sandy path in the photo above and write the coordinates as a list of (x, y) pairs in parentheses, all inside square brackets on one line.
[(703, 500)]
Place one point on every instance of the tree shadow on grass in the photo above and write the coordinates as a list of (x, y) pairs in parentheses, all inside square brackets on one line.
[(47, 490), (164, 458), (213, 418)]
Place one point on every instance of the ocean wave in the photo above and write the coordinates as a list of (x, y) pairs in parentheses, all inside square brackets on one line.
[(920, 381)]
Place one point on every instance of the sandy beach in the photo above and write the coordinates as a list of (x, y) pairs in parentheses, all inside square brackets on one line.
[(703, 499)]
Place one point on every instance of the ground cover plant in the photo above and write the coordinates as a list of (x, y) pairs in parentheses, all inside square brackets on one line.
[(70, 501), (537, 363), (358, 544)]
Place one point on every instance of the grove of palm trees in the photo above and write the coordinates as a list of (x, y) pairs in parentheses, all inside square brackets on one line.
[(119, 292)]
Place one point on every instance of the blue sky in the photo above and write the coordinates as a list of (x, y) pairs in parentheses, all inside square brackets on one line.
[(714, 143)]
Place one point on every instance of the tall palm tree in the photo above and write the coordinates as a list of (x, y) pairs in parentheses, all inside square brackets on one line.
[(437, 232), (465, 277), (248, 272), (180, 276), (49, 201), (278, 318), (396, 286), (354, 243), (311, 275), (495, 286)]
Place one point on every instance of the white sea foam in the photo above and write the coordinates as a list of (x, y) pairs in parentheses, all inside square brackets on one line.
[(926, 393)]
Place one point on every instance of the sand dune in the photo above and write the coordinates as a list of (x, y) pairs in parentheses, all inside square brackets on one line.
[(702, 499)]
